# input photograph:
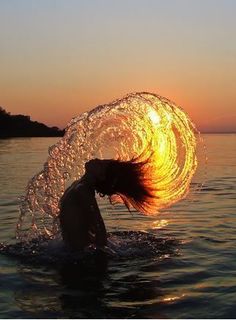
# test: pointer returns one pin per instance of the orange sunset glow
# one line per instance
(59, 60)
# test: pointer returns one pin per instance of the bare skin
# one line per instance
(80, 218)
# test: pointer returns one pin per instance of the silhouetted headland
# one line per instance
(21, 126)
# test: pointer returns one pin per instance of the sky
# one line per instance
(59, 58)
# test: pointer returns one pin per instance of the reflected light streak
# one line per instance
(159, 224)
(173, 298)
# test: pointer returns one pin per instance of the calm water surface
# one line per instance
(195, 277)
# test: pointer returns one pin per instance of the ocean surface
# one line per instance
(180, 263)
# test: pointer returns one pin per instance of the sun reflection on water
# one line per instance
(159, 224)
(173, 298)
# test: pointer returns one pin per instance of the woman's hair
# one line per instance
(130, 182)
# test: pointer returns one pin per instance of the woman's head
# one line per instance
(126, 181)
(97, 168)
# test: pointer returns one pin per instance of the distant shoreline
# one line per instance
(205, 132)
(62, 134)
(21, 126)
(20, 137)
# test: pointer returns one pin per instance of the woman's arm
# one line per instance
(98, 225)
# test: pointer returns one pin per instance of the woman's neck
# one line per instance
(89, 180)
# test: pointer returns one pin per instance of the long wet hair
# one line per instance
(130, 182)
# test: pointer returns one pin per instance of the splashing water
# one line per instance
(122, 129)
(121, 244)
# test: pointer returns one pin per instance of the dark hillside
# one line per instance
(22, 126)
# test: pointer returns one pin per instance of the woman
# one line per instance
(80, 219)
(123, 181)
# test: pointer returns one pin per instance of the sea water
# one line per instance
(178, 264)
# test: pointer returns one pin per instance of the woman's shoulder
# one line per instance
(80, 187)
